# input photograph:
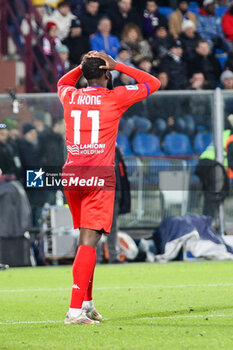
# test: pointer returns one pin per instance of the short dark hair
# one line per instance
(64, 3)
(91, 70)
(58, 121)
(145, 58)
(202, 41)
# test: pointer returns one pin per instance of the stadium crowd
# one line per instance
(191, 45)
(187, 46)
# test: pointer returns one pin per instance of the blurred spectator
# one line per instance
(161, 42)
(63, 52)
(146, 65)
(77, 7)
(226, 79)
(227, 24)
(141, 3)
(184, 125)
(209, 26)
(52, 3)
(62, 16)
(28, 147)
(229, 62)
(177, 17)
(123, 57)
(121, 14)
(13, 141)
(198, 82)
(132, 40)
(90, 17)
(153, 19)
(40, 9)
(189, 39)
(76, 43)
(204, 61)
(51, 28)
(123, 79)
(52, 145)
(163, 78)
(175, 66)
(12, 127)
(7, 164)
(38, 122)
(103, 40)
(201, 108)
(48, 3)
(31, 159)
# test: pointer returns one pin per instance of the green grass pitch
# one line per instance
(145, 306)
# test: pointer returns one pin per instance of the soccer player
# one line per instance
(92, 116)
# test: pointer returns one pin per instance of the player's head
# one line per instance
(92, 72)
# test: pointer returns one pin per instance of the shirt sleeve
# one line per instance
(66, 85)
(63, 91)
(126, 96)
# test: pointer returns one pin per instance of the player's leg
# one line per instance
(88, 238)
(99, 206)
(105, 201)
(83, 270)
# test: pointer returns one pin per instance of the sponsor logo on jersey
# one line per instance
(131, 87)
(94, 148)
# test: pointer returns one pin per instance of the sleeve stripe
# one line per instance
(148, 90)
(64, 92)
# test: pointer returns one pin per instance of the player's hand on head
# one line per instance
(109, 61)
(87, 55)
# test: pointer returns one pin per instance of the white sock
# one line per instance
(75, 312)
(89, 304)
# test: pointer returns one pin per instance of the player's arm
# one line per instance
(140, 76)
(68, 82)
(125, 96)
(70, 79)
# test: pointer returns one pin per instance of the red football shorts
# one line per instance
(91, 209)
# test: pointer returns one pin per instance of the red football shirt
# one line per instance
(92, 115)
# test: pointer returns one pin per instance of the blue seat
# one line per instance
(147, 145)
(202, 141)
(193, 3)
(194, 9)
(222, 60)
(177, 144)
(123, 143)
(166, 11)
(220, 11)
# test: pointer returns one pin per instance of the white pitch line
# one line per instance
(156, 286)
(110, 319)
(29, 322)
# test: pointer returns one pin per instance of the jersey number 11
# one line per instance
(94, 115)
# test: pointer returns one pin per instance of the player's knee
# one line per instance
(89, 237)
